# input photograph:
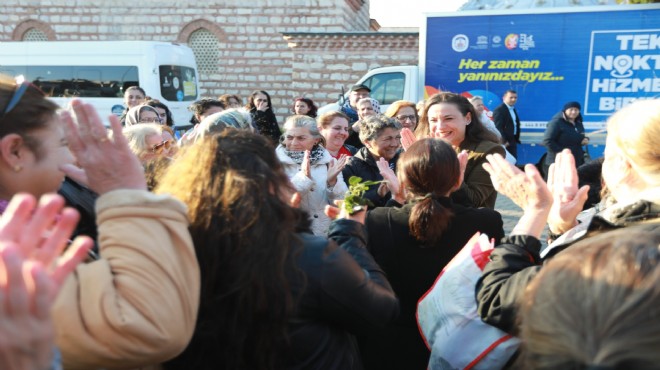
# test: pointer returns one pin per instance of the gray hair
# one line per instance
(136, 136)
(307, 122)
(236, 118)
(373, 126)
(475, 98)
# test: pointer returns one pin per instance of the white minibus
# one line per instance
(98, 72)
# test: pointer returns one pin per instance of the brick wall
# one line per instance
(259, 47)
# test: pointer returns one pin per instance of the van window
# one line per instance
(177, 83)
(386, 87)
(78, 81)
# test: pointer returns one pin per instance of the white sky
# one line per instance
(408, 13)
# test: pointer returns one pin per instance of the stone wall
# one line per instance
(286, 47)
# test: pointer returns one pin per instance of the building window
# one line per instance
(34, 34)
(205, 46)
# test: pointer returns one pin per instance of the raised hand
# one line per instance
(262, 106)
(568, 199)
(107, 163)
(335, 168)
(306, 166)
(407, 138)
(391, 181)
(526, 189)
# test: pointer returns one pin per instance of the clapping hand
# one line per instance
(568, 199)
(334, 169)
(391, 182)
(306, 166)
(407, 138)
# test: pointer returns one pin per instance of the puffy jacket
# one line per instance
(515, 262)
(561, 134)
(315, 193)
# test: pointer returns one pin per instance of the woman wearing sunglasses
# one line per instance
(148, 141)
(136, 304)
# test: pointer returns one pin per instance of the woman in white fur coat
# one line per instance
(312, 170)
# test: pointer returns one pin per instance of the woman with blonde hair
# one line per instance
(631, 171)
(405, 112)
(147, 142)
(315, 175)
(596, 307)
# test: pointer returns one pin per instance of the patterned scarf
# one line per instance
(297, 156)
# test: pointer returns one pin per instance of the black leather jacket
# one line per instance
(344, 292)
(363, 165)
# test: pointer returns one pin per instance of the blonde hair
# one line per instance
(635, 130)
(393, 109)
(137, 137)
(597, 303)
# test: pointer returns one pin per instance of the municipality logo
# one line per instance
(460, 43)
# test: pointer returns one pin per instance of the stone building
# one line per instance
(289, 48)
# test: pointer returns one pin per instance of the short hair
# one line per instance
(596, 304)
(475, 98)
(373, 126)
(136, 135)
(217, 122)
(307, 122)
(511, 92)
(326, 118)
(199, 107)
(394, 108)
(138, 88)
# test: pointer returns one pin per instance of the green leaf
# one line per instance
(354, 180)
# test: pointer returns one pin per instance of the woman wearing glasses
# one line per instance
(136, 304)
(147, 141)
(405, 112)
(142, 114)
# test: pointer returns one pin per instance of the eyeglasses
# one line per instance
(158, 148)
(411, 117)
(16, 97)
(150, 120)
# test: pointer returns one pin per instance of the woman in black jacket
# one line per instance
(415, 242)
(263, 117)
(382, 139)
(273, 295)
(565, 131)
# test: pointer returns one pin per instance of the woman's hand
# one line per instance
(568, 199)
(32, 237)
(262, 106)
(526, 189)
(335, 168)
(107, 163)
(391, 182)
(462, 163)
(585, 141)
(338, 212)
(306, 166)
(407, 138)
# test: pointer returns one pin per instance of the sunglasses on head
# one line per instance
(21, 87)
(158, 148)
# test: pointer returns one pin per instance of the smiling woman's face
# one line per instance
(446, 122)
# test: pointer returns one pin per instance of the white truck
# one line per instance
(603, 57)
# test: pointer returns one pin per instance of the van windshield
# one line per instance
(78, 81)
(178, 83)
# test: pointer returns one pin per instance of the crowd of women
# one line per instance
(230, 253)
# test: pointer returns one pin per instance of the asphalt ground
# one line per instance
(511, 213)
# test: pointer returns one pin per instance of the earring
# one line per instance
(468, 122)
(18, 168)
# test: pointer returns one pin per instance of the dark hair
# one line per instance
(250, 104)
(224, 98)
(245, 241)
(511, 92)
(32, 112)
(157, 104)
(475, 132)
(310, 103)
(201, 106)
(136, 87)
(428, 170)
